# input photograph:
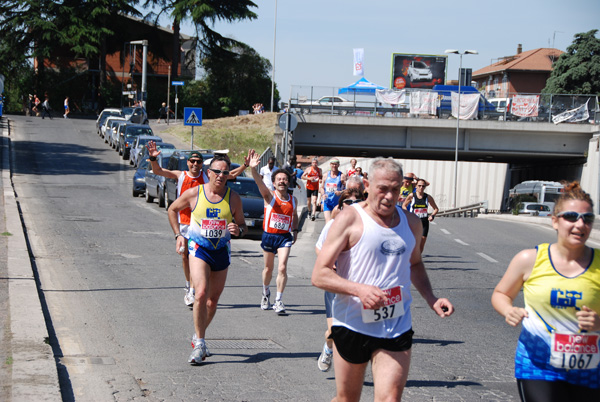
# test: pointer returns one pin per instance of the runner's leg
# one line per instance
(267, 273)
(390, 372)
(349, 378)
(216, 284)
(283, 254)
(200, 274)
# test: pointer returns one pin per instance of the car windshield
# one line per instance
(139, 131)
(164, 145)
(420, 64)
(245, 188)
(127, 110)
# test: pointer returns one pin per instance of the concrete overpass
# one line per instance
(486, 140)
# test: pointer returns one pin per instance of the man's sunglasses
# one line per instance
(194, 161)
(350, 202)
(218, 172)
(572, 216)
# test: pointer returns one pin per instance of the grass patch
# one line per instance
(238, 134)
(6, 234)
(9, 361)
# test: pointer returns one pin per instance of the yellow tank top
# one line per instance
(552, 299)
(209, 220)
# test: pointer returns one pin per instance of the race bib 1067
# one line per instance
(393, 308)
(574, 351)
(213, 228)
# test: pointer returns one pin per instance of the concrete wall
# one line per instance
(590, 174)
(477, 181)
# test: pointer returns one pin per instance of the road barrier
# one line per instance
(466, 211)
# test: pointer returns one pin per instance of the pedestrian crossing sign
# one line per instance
(192, 116)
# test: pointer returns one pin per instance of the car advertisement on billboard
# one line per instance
(418, 70)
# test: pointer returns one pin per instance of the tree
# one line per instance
(203, 13)
(235, 79)
(578, 70)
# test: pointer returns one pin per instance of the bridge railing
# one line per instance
(313, 100)
(467, 211)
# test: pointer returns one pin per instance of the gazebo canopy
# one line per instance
(362, 86)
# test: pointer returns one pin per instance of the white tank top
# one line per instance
(380, 258)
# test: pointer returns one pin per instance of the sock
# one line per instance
(187, 284)
(266, 290)
(279, 294)
(326, 349)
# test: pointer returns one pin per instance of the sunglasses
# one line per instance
(350, 202)
(194, 161)
(571, 216)
(218, 172)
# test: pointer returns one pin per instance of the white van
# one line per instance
(500, 104)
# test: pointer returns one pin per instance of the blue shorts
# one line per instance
(329, 304)
(271, 242)
(217, 259)
(330, 202)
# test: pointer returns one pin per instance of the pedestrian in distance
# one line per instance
(163, 112)
(313, 175)
(373, 246)
(216, 215)
(46, 108)
(267, 171)
(418, 203)
(67, 109)
(557, 356)
(280, 227)
(353, 194)
(331, 188)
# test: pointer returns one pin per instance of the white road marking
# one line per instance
(444, 231)
(459, 241)
(486, 257)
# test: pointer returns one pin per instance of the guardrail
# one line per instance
(467, 211)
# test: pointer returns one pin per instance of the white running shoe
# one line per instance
(265, 302)
(199, 353)
(188, 299)
(324, 362)
(195, 339)
(279, 307)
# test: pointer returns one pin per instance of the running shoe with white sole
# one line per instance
(324, 361)
(188, 299)
(265, 302)
(279, 307)
(195, 339)
(199, 353)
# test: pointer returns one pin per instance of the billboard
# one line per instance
(418, 70)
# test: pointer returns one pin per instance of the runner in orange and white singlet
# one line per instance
(280, 231)
(313, 175)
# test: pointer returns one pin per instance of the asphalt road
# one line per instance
(113, 285)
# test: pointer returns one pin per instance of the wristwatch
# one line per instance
(241, 229)
(152, 158)
(177, 235)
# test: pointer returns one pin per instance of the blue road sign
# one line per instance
(177, 83)
(192, 116)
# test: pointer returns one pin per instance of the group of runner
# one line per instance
(368, 259)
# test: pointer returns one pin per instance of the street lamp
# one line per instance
(454, 51)
(274, 42)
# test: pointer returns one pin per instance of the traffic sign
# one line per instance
(283, 123)
(192, 116)
(177, 83)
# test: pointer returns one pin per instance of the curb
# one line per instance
(34, 371)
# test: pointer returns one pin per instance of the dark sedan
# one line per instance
(139, 178)
(252, 202)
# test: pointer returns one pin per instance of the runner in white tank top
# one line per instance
(371, 310)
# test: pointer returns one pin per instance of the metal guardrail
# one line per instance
(467, 211)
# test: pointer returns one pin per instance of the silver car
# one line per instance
(140, 141)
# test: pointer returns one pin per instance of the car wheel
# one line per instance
(135, 193)
(161, 198)
(344, 112)
(149, 198)
(125, 155)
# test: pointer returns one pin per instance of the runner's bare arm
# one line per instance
(434, 206)
(343, 234)
(407, 202)
(510, 285)
(418, 275)
(156, 168)
(264, 191)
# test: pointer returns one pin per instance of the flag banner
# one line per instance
(570, 116)
(468, 105)
(423, 102)
(359, 56)
(525, 105)
(391, 97)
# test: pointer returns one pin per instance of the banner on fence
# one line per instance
(423, 102)
(391, 97)
(468, 105)
(525, 105)
(570, 116)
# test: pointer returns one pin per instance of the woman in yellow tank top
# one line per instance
(558, 356)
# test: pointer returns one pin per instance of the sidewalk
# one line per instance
(32, 373)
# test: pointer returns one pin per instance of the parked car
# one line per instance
(106, 113)
(136, 114)
(252, 202)
(130, 133)
(113, 132)
(155, 184)
(139, 179)
(139, 142)
(419, 71)
(536, 209)
(107, 126)
(143, 153)
(501, 104)
(325, 104)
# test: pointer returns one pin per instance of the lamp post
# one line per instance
(454, 51)
(274, 42)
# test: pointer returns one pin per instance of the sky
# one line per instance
(315, 38)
